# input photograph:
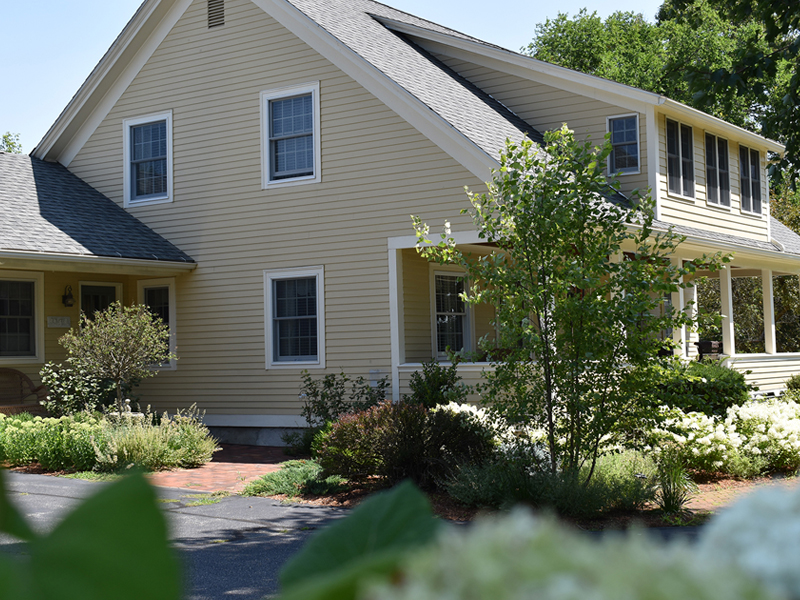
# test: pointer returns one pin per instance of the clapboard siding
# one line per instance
(769, 373)
(547, 108)
(376, 171)
(697, 212)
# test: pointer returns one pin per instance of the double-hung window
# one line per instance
(750, 179)
(290, 122)
(718, 185)
(450, 313)
(159, 296)
(680, 162)
(148, 159)
(21, 316)
(295, 321)
(624, 132)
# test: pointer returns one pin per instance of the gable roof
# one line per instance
(48, 211)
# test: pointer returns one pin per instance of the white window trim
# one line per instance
(127, 184)
(638, 146)
(671, 194)
(114, 284)
(717, 205)
(469, 334)
(168, 282)
(266, 168)
(38, 315)
(271, 275)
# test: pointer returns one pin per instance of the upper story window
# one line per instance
(450, 313)
(718, 184)
(295, 326)
(750, 179)
(148, 159)
(624, 144)
(290, 124)
(680, 161)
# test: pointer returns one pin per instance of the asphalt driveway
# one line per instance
(231, 549)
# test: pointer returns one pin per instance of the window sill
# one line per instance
(719, 207)
(624, 173)
(268, 185)
(20, 360)
(681, 198)
(747, 213)
(148, 201)
(296, 364)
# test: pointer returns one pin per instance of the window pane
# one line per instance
(292, 116)
(624, 153)
(157, 300)
(149, 141)
(687, 161)
(149, 159)
(17, 328)
(450, 312)
(724, 175)
(294, 156)
(97, 298)
(294, 320)
(673, 159)
(744, 177)
(712, 174)
(755, 178)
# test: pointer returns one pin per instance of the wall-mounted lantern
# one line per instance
(68, 299)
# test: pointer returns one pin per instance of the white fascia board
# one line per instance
(165, 265)
(410, 241)
(409, 107)
(105, 100)
(513, 63)
(720, 126)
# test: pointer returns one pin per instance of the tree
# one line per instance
(10, 143)
(121, 343)
(565, 295)
(767, 66)
(628, 49)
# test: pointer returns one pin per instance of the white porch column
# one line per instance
(690, 298)
(770, 342)
(396, 317)
(726, 305)
(677, 298)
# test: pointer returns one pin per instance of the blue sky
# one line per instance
(51, 46)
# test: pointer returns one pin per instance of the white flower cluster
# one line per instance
(764, 430)
(760, 535)
(519, 556)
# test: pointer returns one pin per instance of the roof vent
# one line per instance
(216, 13)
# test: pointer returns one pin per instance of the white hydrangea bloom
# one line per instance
(521, 557)
(760, 534)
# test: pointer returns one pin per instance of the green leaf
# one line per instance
(14, 577)
(11, 522)
(369, 543)
(114, 545)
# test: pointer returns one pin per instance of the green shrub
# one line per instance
(295, 478)
(403, 441)
(793, 383)
(621, 482)
(436, 385)
(71, 390)
(327, 399)
(706, 387)
(83, 441)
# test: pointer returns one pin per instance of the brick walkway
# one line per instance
(229, 469)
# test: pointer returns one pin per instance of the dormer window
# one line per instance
(680, 161)
(750, 179)
(718, 184)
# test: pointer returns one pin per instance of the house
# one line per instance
(248, 168)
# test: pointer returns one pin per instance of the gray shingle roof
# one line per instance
(47, 209)
(471, 111)
(785, 236)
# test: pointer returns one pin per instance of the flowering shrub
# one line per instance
(760, 535)
(520, 556)
(758, 435)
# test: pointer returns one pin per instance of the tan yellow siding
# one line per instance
(546, 108)
(417, 305)
(376, 171)
(697, 212)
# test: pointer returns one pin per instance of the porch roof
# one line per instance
(46, 210)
